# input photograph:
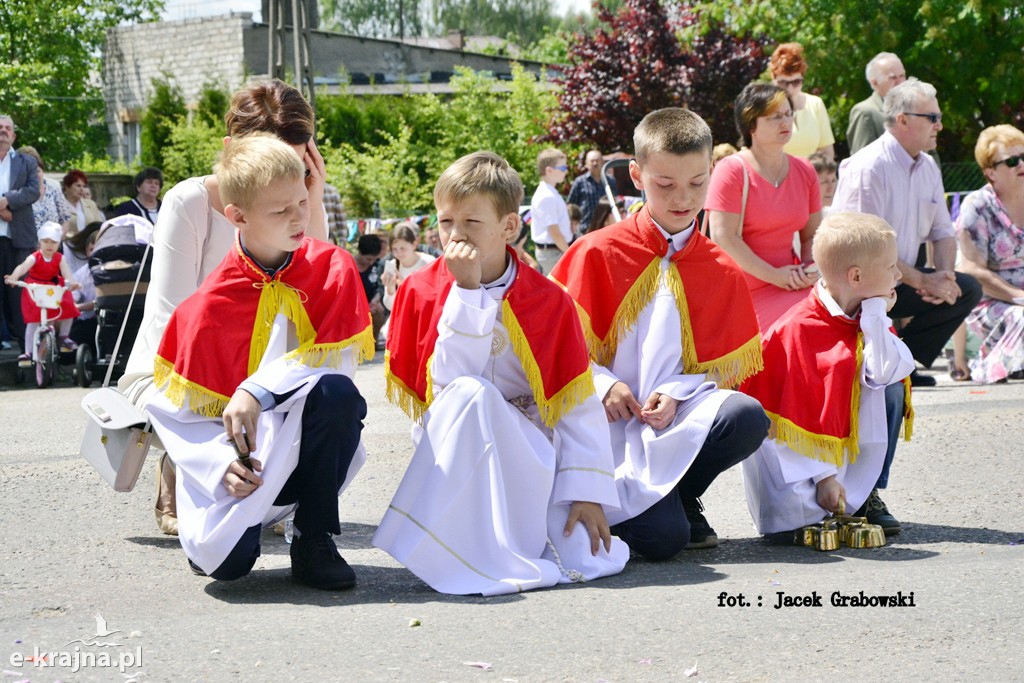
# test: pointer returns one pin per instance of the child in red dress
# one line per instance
(46, 266)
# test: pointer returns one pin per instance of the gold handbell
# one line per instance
(866, 536)
(808, 536)
(828, 538)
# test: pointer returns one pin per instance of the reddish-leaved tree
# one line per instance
(633, 64)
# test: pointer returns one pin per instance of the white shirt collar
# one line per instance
(496, 289)
(830, 304)
(677, 241)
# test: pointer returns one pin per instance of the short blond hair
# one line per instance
(249, 164)
(549, 158)
(991, 139)
(483, 173)
(672, 130)
(849, 239)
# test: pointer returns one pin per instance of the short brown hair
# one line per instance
(673, 130)
(849, 239)
(30, 151)
(251, 163)
(271, 107)
(483, 173)
(822, 164)
(753, 102)
(405, 232)
(72, 177)
(549, 158)
(788, 60)
(991, 139)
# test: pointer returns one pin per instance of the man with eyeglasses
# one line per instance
(895, 178)
(550, 226)
(867, 120)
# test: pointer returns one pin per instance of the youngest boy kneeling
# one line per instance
(827, 363)
(257, 407)
(512, 472)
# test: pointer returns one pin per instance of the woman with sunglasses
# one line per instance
(990, 231)
(192, 236)
(812, 130)
(760, 198)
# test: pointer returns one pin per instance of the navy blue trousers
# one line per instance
(332, 420)
(661, 531)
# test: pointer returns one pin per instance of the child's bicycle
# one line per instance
(45, 346)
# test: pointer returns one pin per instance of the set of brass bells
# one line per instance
(839, 530)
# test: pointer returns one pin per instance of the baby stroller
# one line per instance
(115, 264)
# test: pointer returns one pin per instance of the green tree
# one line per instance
(968, 49)
(192, 149)
(373, 18)
(165, 110)
(527, 20)
(48, 51)
(213, 104)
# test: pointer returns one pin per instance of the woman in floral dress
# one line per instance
(991, 237)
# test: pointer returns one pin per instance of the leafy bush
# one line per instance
(166, 110)
(192, 150)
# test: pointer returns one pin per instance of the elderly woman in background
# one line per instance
(51, 206)
(782, 199)
(990, 231)
(192, 236)
(813, 130)
(83, 210)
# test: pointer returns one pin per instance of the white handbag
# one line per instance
(117, 434)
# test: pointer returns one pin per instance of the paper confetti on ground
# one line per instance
(480, 665)
(691, 672)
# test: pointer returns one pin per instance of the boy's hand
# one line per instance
(591, 515)
(463, 260)
(74, 286)
(240, 481)
(830, 492)
(240, 416)
(9, 280)
(659, 411)
(621, 404)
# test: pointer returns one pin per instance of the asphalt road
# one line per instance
(71, 549)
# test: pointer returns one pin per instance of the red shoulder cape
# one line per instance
(613, 274)
(217, 337)
(810, 387)
(534, 311)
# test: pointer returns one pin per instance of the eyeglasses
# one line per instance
(1011, 162)
(932, 118)
(563, 167)
(786, 82)
(779, 118)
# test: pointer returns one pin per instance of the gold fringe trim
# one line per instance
(277, 297)
(568, 397)
(178, 390)
(833, 450)
(399, 393)
(728, 370)
(318, 355)
(828, 449)
(639, 295)
(908, 410)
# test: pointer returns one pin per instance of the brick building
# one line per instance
(229, 50)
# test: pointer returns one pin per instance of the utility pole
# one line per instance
(301, 39)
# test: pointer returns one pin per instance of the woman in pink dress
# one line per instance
(783, 199)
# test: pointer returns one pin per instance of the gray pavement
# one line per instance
(71, 549)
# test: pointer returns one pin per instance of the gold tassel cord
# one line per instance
(399, 393)
(908, 410)
(277, 297)
(568, 397)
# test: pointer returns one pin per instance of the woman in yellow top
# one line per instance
(812, 131)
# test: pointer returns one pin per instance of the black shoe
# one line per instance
(919, 380)
(317, 564)
(782, 538)
(877, 513)
(701, 533)
(195, 568)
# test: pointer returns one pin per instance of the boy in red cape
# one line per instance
(512, 475)
(257, 408)
(668, 320)
(827, 363)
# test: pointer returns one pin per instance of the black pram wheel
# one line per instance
(84, 359)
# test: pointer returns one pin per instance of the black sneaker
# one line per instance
(701, 533)
(195, 568)
(317, 564)
(919, 380)
(877, 513)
